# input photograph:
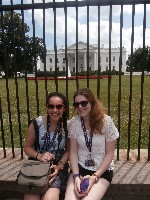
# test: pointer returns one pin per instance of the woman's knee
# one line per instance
(32, 197)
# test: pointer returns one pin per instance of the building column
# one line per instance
(75, 61)
(95, 66)
(69, 61)
(85, 62)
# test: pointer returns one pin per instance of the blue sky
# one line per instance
(93, 25)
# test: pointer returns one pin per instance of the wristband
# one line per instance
(36, 156)
(96, 177)
(76, 175)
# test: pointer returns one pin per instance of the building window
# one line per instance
(73, 60)
(106, 59)
(63, 69)
(50, 69)
(64, 60)
(50, 60)
(113, 68)
(58, 69)
(57, 60)
(113, 58)
(106, 68)
(73, 69)
(81, 67)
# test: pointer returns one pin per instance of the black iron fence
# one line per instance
(22, 43)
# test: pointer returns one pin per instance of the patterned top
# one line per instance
(110, 133)
(42, 136)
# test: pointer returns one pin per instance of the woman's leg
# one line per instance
(70, 193)
(32, 197)
(98, 190)
(52, 193)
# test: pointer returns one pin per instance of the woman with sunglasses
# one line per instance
(92, 136)
(53, 145)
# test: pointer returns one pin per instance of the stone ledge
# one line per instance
(131, 178)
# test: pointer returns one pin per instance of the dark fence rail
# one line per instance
(16, 104)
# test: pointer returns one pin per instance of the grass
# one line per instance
(133, 128)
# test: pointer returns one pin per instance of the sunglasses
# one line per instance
(82, 103)
(58, 107)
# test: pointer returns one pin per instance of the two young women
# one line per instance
(92, 137)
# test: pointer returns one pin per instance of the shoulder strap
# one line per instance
(36, 128)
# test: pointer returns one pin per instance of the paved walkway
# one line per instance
(131, 179)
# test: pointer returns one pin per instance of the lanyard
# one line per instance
(50, 143)
(88, 142)
(58, 131)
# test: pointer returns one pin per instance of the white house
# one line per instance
(82, 58)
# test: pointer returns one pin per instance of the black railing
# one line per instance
(7, 58)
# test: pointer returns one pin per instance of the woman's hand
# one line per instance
(77, 182)
(54, 172)
(46, 156)
(91, 183)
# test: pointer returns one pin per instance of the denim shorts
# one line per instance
(61, 179)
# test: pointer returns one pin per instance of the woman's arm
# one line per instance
(65, 157)
(30, 142)
(110, 147)
(73, 156)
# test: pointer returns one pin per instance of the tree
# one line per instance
(137, 60)
(16, 46)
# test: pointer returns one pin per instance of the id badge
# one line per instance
(90, 161)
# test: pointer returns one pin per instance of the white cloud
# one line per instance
(93, 25)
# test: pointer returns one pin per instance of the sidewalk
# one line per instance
(131, 179)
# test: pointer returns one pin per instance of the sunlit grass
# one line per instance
(10, 98)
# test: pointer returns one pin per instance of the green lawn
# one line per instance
(114, 90)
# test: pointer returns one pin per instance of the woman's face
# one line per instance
(82, 106)
(55, 108)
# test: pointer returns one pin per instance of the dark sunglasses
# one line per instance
(82, 103)
(51, 106)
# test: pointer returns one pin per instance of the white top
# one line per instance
(110, 133)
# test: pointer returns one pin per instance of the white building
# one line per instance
(82, 58)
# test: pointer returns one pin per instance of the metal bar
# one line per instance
(35, 64)
(120, 70)
(131, 70)
(24, 58)
(87, 59)
(142, 83)
(109, 71)
(99, 67)
(7, 64)
(149, 143)
(72, 4)
(1, 116)
(55, 48)
(76, 58)
(16, 82)
(2, 130)
(45, 74)
(66, 57)
(27, 97)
